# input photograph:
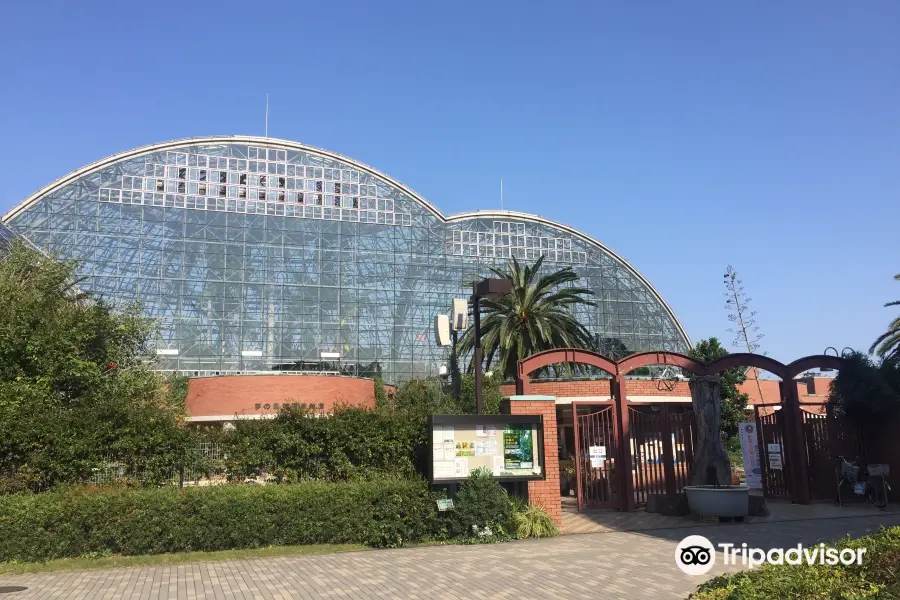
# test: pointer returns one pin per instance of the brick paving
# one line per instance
(606, 521)
(632, 565)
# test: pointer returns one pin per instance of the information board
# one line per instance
(507, 445)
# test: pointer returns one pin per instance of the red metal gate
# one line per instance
(818, 452)
(684, 431)
(662, 446)
(770, 429)
(828, 437)
(647, 451)
(596, 480)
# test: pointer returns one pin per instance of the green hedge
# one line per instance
(877, 577)
(74, 522)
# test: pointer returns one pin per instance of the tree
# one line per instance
(867, 392)
(491, 393)
(75, 380)
(888, 343)
(733, 401)
(538, 315)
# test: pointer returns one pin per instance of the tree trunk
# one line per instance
(711, 465)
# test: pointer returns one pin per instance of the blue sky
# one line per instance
(686, 136)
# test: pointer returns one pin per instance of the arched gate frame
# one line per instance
(795, 450)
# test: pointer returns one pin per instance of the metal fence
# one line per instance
(198, 467)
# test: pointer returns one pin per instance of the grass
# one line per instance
(153, 560)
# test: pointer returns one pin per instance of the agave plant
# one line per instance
(888, 343)
(538, 315)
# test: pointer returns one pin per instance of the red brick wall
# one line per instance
(544, 492)
(239, 394)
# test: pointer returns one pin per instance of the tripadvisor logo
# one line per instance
(696, 555)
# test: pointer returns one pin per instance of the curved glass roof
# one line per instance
(258, 254)
(6, 235)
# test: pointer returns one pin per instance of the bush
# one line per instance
(351, 444)
(875, 578)
(482, 509)
(532, 520)
(73, 522)
(865, 391)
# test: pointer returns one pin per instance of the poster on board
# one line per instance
(749, 437)
(518, 449)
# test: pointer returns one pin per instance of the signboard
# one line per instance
(507, 445)
(444, 504)
(598, 455)
(774, 452)
(750, 450)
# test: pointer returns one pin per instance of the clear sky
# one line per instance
(686, 136)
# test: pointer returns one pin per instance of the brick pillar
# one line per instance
(544, 491)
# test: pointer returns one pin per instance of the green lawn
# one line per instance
(110, 562)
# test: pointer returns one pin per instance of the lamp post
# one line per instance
(486, 288)
(446, 333)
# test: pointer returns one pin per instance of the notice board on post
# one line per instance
(510, 446)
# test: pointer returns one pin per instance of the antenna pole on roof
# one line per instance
(267, 114)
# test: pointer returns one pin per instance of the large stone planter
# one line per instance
(712, 501)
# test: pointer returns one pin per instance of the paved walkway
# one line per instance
(606, 521)
(601, 565)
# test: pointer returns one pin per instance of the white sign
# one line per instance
(444, 469)
(330, 354)
(598, 455)
(774, 452)
(255, 353)
(750, 451)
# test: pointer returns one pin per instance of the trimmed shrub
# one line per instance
(877, 577)
(482, 509)
(351, 444)
(73, 522)
(532, 520)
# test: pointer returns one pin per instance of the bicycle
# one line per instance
(853, 482)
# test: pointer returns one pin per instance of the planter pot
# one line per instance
(711, 501)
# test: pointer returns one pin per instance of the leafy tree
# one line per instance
(538, 315)
(381, 397)
(491, 393)
(75, 381)
(865, 391)
(733, 401)
(888, 343)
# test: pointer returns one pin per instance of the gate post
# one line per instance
(543, 491)
(667, 450)
(763, 455)
(795, 443)
(623, 429)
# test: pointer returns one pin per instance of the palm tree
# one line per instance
(538, 315)
(888, 343)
